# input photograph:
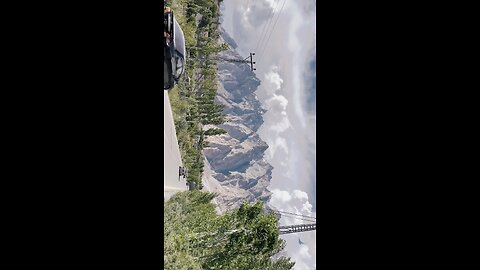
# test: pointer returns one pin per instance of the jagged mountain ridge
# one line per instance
(236, 160)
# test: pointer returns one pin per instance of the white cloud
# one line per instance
(282, 125)
(280, 196)
(276, 106)
(307, 207)
(274, 77)
(288, 126)
(300, 194)
(279, 143)
(298, 102)
(272, 3)
(276, 103)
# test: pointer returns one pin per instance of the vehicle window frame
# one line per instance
(181, 60)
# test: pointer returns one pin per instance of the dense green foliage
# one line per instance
(193, 98)
(195, 237)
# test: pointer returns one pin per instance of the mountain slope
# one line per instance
(235, 160)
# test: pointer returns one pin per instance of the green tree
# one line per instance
(195, 235)
(214, 131)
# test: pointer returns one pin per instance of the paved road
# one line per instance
(171, 153)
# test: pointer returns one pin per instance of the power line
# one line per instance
(273, 29)
(309, 220)
(280, 13)
(268, 24)
(270, 17)
(247, 60)
(303, 216)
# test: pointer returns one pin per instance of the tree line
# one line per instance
(193, 100)
(195, 237)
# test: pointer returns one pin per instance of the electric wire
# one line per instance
(309, 220)
(314, 218)
(273, 29)
(266, 26)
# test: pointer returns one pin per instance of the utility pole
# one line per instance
(247, 60)
(251, 62)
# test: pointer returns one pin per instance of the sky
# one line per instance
(285, 53)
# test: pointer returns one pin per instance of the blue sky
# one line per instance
(286, 66)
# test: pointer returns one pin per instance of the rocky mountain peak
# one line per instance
(235, 160)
